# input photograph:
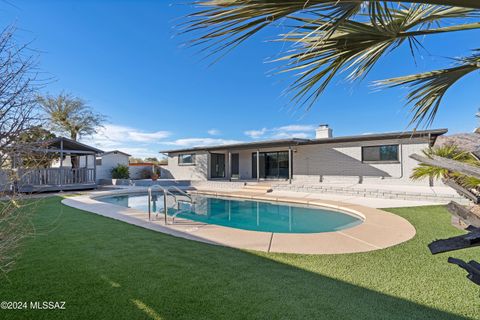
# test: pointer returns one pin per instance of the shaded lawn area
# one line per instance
(105, 269)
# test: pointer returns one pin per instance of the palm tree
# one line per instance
(449, 151)
(70, 115)
(343, 37)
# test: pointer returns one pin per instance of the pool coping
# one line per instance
(379, 229)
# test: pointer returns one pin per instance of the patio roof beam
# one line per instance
(290, 164)
(61, 150)
(229, 166)
(61, 165)
(258, 165)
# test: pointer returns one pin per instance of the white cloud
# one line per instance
(116, 135)
(288, 135)
(136, 142)
(213, 132)
(283, 132)
(255, 134)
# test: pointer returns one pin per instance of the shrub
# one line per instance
(146, 173)
(120, 172)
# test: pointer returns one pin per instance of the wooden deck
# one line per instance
(52, 188)
(56, 179)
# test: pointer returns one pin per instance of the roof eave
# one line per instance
(274, 143)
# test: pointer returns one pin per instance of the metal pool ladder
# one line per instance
(166, 192)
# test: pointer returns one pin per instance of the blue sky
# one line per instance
(125, 59)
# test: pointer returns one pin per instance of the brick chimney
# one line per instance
(323, 132)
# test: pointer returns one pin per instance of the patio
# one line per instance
(61, 176)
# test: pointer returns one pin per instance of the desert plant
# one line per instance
(120, 172)
(449, 151)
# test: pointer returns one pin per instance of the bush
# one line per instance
(120, 172)
(146, 173)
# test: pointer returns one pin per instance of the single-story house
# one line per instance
(368, 158)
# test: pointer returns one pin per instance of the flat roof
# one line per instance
(433, 134)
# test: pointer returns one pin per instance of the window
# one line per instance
(186, 159)
(98, 161)
(385, 153)
(273, 165)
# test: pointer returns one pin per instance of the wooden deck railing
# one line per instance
(56, 176)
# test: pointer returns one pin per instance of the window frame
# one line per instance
(193, 156)
(380, 146)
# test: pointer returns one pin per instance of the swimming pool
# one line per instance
(244, 214)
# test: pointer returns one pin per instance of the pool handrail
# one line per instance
(182, 192)
(166, 191)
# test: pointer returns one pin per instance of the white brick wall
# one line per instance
(198, 171)
(342, 162)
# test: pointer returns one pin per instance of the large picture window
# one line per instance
(186, 159)
(385, 153)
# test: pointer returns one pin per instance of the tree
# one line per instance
(70, 115)
(344, 37)
(460, 170)
(453, 152)
(19, 83)
(135, 160)
(34, 138)
(152, 160)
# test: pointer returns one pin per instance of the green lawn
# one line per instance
(105, 269)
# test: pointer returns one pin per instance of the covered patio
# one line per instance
(63, 172)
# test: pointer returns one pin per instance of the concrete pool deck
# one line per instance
(379, 229)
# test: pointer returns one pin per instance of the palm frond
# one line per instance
(331, 37)
(355, 46)
(449, 151)
(428, 89)
(226, 23)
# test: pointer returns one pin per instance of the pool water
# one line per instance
(244, 214)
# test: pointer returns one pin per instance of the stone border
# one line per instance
(379, 229)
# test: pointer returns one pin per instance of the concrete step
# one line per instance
(373, 193)
(258, 187)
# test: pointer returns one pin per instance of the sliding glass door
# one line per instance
(273, 165)
(217, 165)
(235, 165)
